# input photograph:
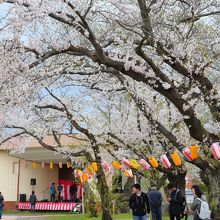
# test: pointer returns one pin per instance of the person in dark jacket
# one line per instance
(155, 200)
(72, 192)
(33, 200)
(60, 193)
(139, 203)
(175, 200)
(1, 204)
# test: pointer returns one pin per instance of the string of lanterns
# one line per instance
(191, 153)
(126, 166)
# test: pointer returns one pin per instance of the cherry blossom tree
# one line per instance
(168, 49)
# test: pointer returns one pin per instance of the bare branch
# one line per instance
(11, 137)
(197, 17)
(88, 9)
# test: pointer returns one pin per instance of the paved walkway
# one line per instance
(17, 217)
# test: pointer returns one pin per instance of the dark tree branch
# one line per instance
(197, 17)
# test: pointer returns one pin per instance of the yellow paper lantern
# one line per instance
(34, 165)
(176, 159)
(134, 164)
(94, 166)
(153, 162)
(68, 164)
(194, 151)
(51, 165)
(128, 173)
(116, 165)
(89, 170)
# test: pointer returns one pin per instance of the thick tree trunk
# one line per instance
(214, 192)
(104, 194)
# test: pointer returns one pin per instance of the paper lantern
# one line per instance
(123, 168)
(94, 166)
(42, 165)
(60, 165)
(186, 153)
(176, 159)
(215, 148)
(194, 151)
(116, 165)
(89, 170)
(165, 161)
(25, 163)
(68, 164)
(83, 178)
(105, 166)
(153, 162)
(51, 165)
(34, 165)
(144, 164)
(128, 173)
(88, 175)
(125, 162)
(134, 164)
(76, 173)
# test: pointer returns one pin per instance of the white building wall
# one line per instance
(12, 184)
(8, 176)
(44, 177)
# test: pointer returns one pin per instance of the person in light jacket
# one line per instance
(195, 207)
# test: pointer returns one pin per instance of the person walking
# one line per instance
(52, 192)
(72, 192)
(33, 200)
(139, 203)
(155, 200)
(1, 204)
(175, 201)
(196, 205)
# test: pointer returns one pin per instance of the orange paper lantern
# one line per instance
(176, 159)
(116, 165)
(153, 162)
(94, 166)
(83, 178)
(194, 151)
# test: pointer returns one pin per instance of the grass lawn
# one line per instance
(82, 217)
